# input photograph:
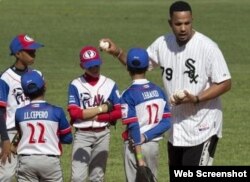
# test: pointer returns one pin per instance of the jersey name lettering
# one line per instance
(96, 101)
(36, 115)
(150, 94)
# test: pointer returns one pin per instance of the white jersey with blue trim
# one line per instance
(40, 125)
(193, 67)
(145, 103)
(13, 97)
(84, 95)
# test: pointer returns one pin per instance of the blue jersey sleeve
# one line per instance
(73, 98)
(128, 109)
(4, 90)
(157, 131)
(134, 132)
(66, 139)
(18, 117)
(114, 96)
(65, 133)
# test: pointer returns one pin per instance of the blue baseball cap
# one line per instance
(89, 57)
(23, 42)
(137, 58)
(32, 81)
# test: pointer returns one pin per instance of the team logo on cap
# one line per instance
(28, 39)
(29, 81)
(89, 54)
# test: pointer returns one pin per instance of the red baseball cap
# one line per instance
(23, 42)
(89, 57)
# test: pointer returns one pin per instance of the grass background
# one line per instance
(65, 26)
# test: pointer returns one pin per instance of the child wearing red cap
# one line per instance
(23, 48)
(91, 117)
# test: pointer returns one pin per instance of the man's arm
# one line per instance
(215, 90)
(6, 152)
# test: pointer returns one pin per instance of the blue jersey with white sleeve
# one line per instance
(43, 128)
(144, 106)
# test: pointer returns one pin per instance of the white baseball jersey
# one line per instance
(14, 97)
(194, 66)
(84, 95)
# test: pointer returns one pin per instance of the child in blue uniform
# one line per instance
(146, 113)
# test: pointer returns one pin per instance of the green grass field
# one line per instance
(65, 26)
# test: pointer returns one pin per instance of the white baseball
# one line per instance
(104, 45)
(180, 94)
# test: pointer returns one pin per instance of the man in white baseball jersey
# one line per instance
(91, 117)
(146, 113)
(23, 48)
(192, 62)
(43, 127)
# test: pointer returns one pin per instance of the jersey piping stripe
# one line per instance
(129, 120)
(4, 104)
(65, 131)
(101, 85)
(13, 77)
(166, 115)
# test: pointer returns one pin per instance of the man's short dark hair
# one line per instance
(179, 6)
(35, 94)
(134, 71)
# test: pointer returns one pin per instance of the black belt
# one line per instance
(99, 129)
(11, 129)
(38, 155)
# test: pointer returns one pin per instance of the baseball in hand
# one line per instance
(180, 94)
(104, 45)
(172, 99)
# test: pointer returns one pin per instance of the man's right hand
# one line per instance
(113, 49)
